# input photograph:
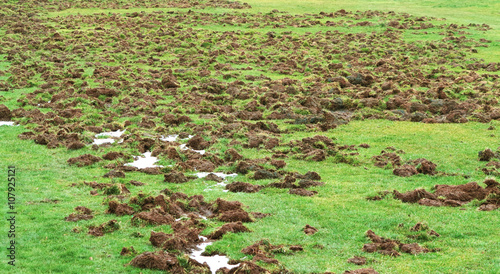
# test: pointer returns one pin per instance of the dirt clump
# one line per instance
(83, 210)
(118, 209)
(245, 267)
(309, 230)
(104, 228)
(425, 166)
(263, 174)
(361, 271)
(113, 155)
(232, 155)
(175, 177)
(452, 195)
(5, 113)
(243, 187)
(486, 155)
(357, 260)
(235, 216)
(405, 171)
(302, 192)
(127, 251)
(155, 216)
(84, 160)
(234, 227)
(157, 260)
(77, 217)
(198, 143)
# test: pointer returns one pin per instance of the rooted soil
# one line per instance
(102, 229)
(231, 227)
(243, 187)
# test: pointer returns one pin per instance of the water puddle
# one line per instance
(173, 138)
(113, 134)
(144, 162)
(214, 262)
(219, 174)
(6, 123)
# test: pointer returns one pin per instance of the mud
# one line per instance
(118, 209)
(157, 260)
(302, 192)
(155, 216)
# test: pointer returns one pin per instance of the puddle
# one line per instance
(219, 174)
(6, 123)
(214, 262)
(112, 134)
(173, 138)
(144, 162)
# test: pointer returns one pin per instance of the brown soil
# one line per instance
(235, 216)
(127, 251)
(102, 229)
(157, 260)
(453, 195)
(77, 217)
(84, 160)
(486, 155)
(389, 247)
(263, 174)
(405, 171)
(243, 187)
(245, 268)
(425, 167)
(119, 209)
(357, 260)
(309, 230)
(302, 192)
(230, 227)
(263, 258)
(113, 155)
(213, 177)
(83, 210)
(175, 177)
(5, 114)
(158, 238)
(156, 216)
(362, 271)
(198, 143)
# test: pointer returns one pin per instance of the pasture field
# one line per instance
(285, 136)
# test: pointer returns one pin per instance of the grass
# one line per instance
(469, 240)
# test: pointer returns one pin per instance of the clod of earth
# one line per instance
(309, 230)
(243, 187)
(104, 228)
(230, 227)
(357, 260)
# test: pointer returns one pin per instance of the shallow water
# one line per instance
(214, 262)
(144, 162)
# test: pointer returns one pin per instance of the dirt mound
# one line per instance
(127, 251)
(302, 192)
(156, 216)
(243, 187)
(405, 171)
(158, 260)
(102, 229)
(263, 174)
(232, 155)
(77, 217)
(213, 177)
(115, 207)
(175, 177)
(198, 143)
(223, 205)
(309, 230)
(230, 227)
(83, 210)
(113, 155)
(452, 195)
(486, 155)
(361, 271)
(245, 268)
(158, 238)
(5, 113)
(235, 216)
(357, 260)
(425, 166)
(84, 160)
(388, 247)
(304, 183)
